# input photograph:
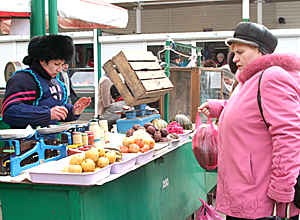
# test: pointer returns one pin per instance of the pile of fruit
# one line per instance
(93, 160)
(139, 141)
(158, 135)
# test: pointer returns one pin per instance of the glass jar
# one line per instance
(106, 137)
(90, 137)
(95, 128)
(76, 137)
(104, 125)
(85, 138)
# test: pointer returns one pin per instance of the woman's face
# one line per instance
(244, 55)
(220, 58)
(53, 66)
(228, 80)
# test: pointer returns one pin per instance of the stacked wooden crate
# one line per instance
(138, 77)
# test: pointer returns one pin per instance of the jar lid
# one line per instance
(89, 132)
(76, 132)
(84, 134)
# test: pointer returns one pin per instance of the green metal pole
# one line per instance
(167, 65)
(38, 18)
(99, 54)
(52, 12)
(199, 59)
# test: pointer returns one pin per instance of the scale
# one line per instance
(29, 149)
(10, 68)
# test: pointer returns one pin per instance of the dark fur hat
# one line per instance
(49, 47)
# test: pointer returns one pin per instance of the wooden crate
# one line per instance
(138, 77)
(188, 90)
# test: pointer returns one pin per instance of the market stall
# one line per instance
(165, 187)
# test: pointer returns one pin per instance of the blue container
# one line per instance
(130, 115)
(140, 107)
(124, 124)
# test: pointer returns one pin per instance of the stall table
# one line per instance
(168, 187)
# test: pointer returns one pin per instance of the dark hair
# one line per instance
(231, 64)
(114, 92)
(209, 63)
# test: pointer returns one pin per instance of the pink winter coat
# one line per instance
(258, 165)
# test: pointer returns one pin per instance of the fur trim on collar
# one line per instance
(287, 61)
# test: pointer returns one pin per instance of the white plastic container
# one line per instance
(144, 157)
(185, 136)
(174, 143)
(128, 161)
(51, 173)
(160, 148)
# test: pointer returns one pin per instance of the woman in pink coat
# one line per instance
(258, 165)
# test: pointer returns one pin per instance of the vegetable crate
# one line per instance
(138, 77)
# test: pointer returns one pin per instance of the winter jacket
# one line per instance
(110, 112)
(104, 97)
(29, 96)
(256, 164)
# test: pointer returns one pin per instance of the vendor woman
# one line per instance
(35, 96)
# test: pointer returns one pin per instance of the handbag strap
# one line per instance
(287, 210)
(259, 99)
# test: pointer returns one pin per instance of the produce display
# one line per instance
(93, 160)
(150, 131)
(183, 120)
(138, 141)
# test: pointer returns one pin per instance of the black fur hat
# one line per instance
(49, 47)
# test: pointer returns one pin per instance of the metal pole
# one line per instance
(52, 12)
(259, 11)
(38, 18)
(138, 18)
(246, 10)
(166, 97)
(99, 33)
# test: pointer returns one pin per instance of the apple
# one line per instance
(88, 165)
(101, 151)
(134, 148)
(92, 154)
(127, 141)
(97, 168)
(66, 169)
(111, 156)
(77, 159)
(75, 169)
(103, 162)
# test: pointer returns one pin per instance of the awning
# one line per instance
(75, 14)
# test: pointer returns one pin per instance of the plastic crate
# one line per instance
(140, 107)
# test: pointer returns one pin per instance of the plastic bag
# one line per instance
(205, 144)
(207, 212)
